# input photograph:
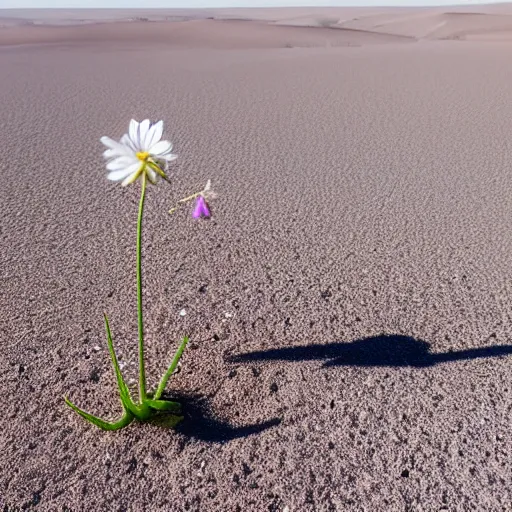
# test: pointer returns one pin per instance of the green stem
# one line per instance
(142, 373)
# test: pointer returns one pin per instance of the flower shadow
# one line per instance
(200, 423)
(390, 350)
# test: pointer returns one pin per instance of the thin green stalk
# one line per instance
(142, 373)
(171, 369)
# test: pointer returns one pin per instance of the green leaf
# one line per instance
(125, 420)
(171, 369)
(124, 391)
(164, 405)
(157, 169)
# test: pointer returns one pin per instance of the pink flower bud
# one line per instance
(201, 208)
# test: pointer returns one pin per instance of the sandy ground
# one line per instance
(349, 302)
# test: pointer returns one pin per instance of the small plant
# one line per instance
(141, 154)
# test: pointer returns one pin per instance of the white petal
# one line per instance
(143, 132)
(125, 139)
(169, 157)
(154, 134)
(123, 173)
(160, 148)
(112, 153)
(121, 162)
(110, 143)
(118, 175)
(151, 175)
(168, 152)
(119, 147)
(134, 134)
(133, 177)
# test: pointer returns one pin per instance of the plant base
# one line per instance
(150, 408)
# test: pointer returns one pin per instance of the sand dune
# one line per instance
(435, 24)
(473, 26)
(257, 28)
(228, 34)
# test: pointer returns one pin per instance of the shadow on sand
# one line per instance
(386, 350)
(200, 422)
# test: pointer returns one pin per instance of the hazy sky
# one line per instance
(128, 4)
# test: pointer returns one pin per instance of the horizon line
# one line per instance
(484, 2)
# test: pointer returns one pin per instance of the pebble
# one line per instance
(183, 312)
(201, 470)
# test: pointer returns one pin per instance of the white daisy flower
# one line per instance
(139, 152)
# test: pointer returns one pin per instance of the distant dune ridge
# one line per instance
(258, 27)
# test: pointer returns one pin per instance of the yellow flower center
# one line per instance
(142, 156)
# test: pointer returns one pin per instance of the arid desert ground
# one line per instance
(349, 302)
